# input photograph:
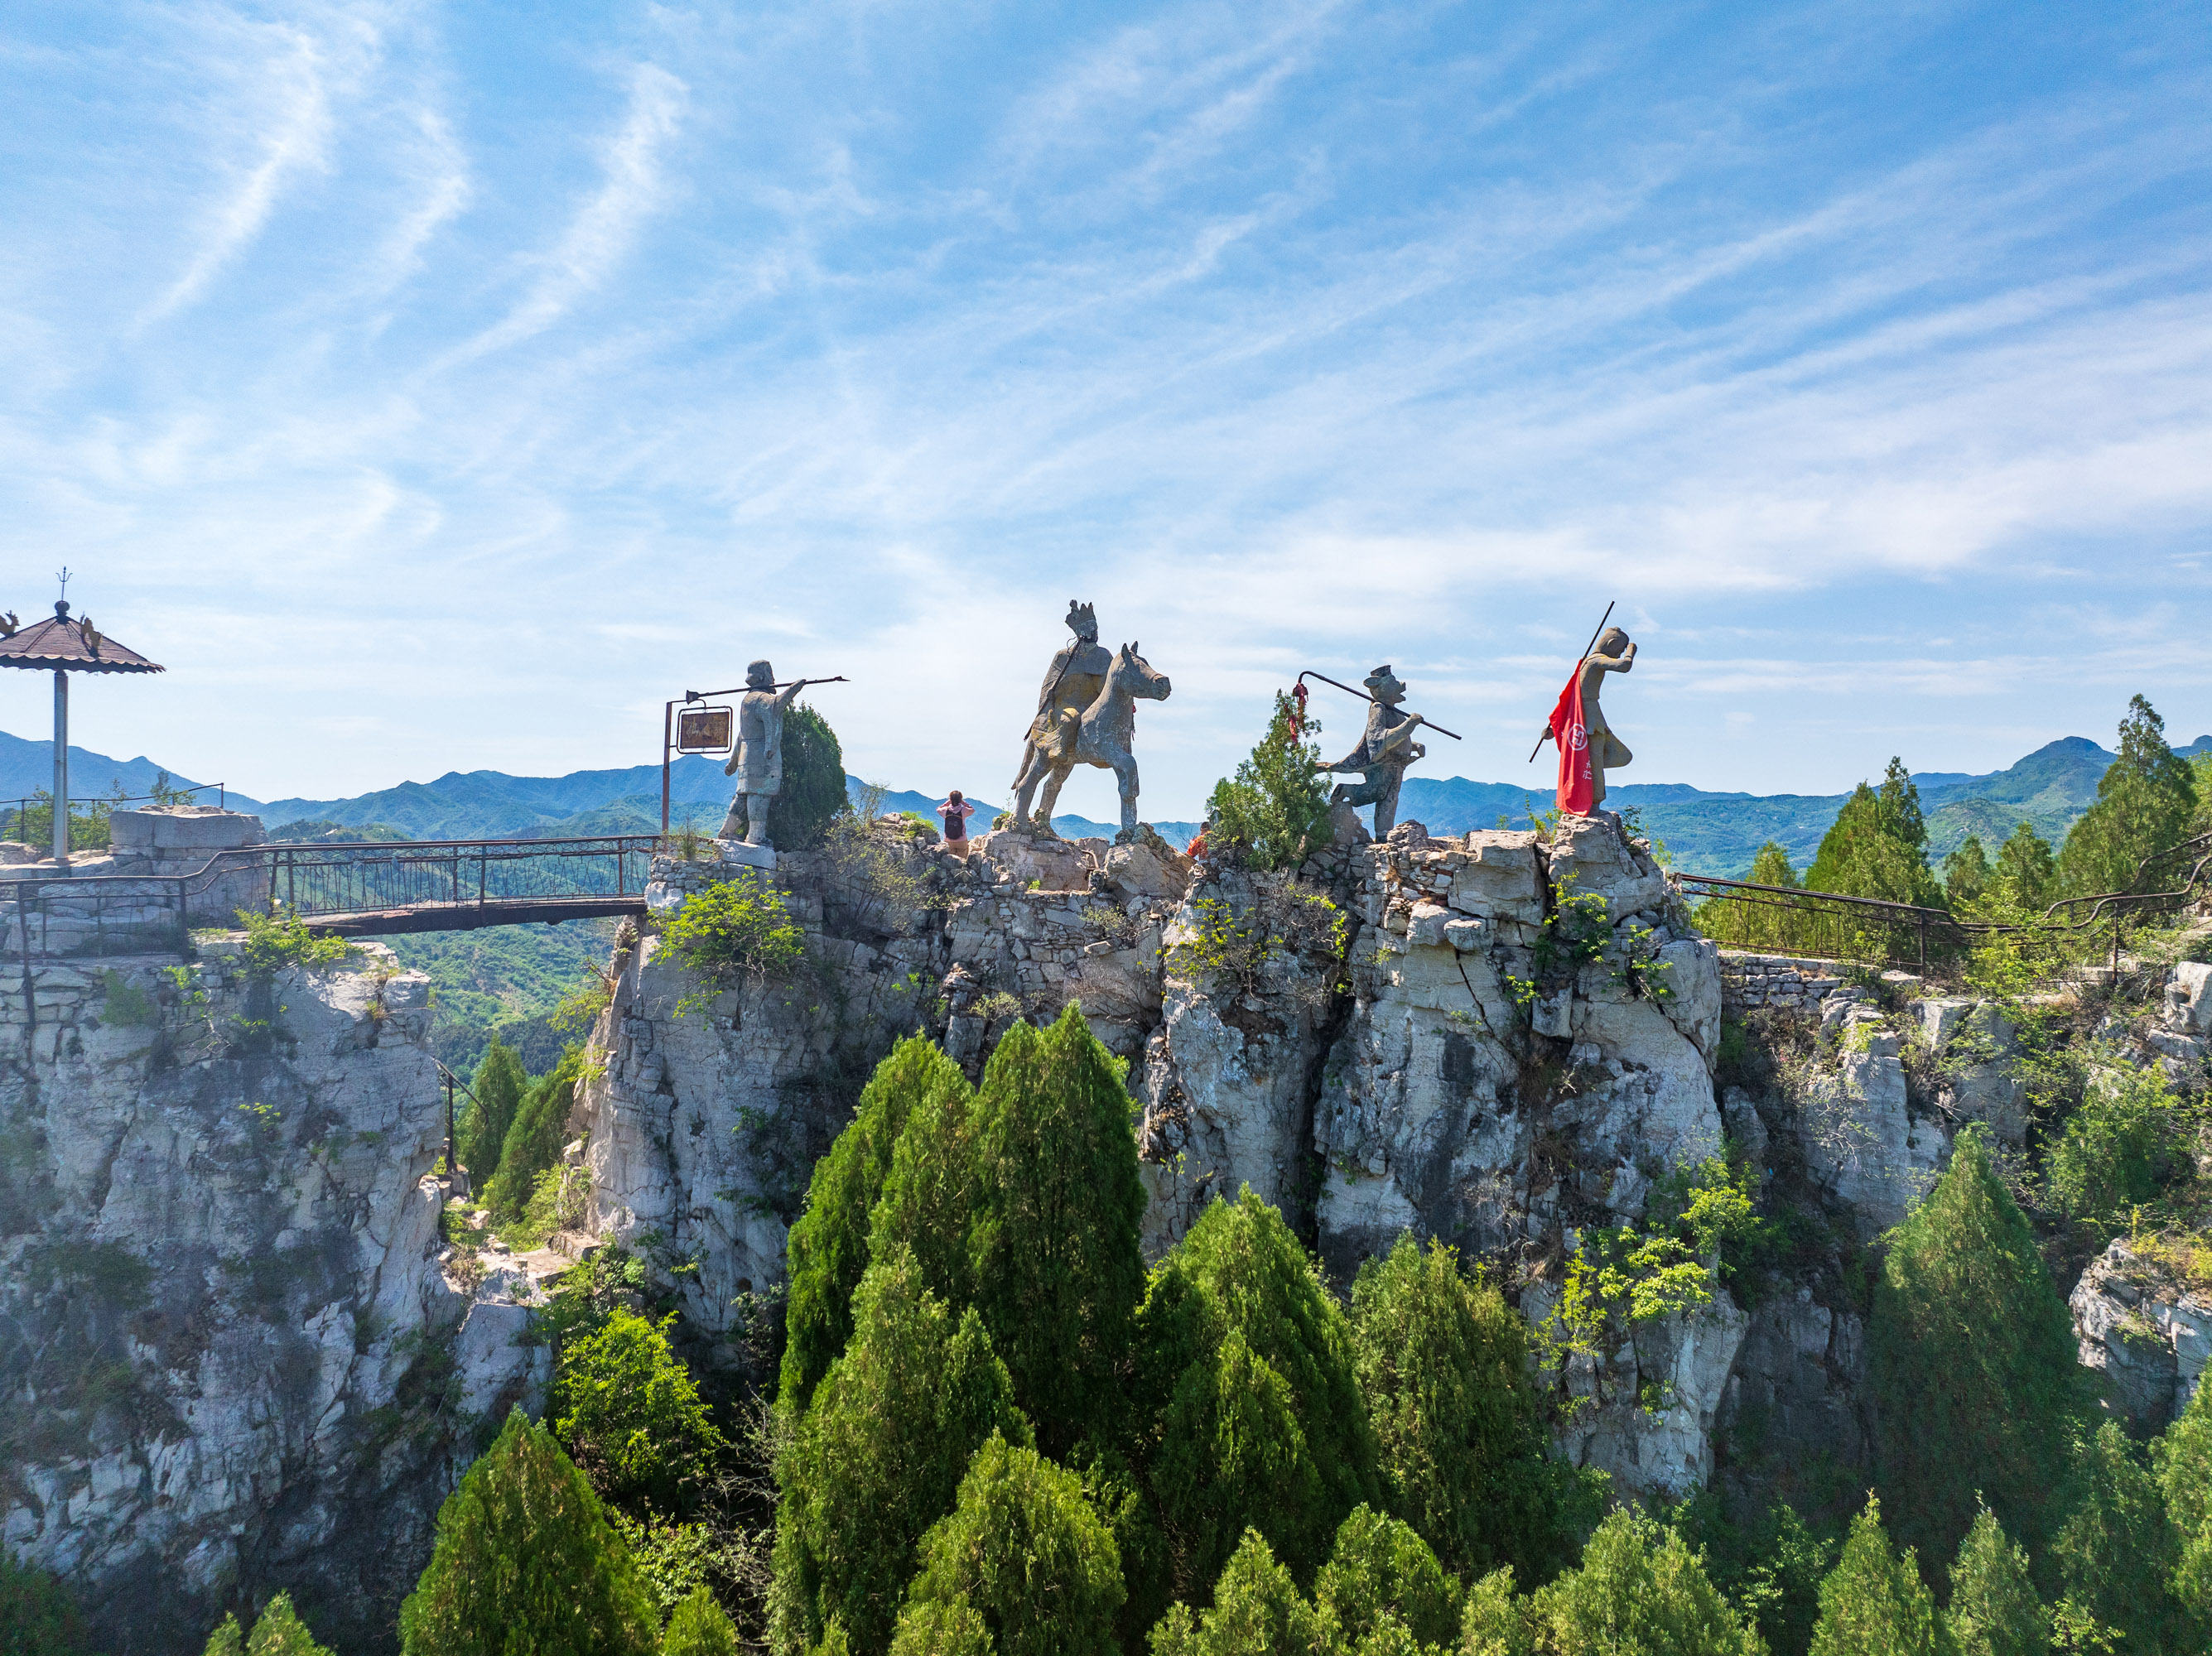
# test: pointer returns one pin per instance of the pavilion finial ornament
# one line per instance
(8, 625)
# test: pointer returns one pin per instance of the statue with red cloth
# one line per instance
(1587, 747)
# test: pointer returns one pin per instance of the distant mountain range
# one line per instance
(1711, 833)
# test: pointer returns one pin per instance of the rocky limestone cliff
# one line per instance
(230, 1360)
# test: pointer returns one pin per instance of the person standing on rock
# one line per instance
(955, 811)
(1071, 683)
(1587, 747)
(1385, 748)
(757, 761)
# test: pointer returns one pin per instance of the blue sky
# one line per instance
(437, 387)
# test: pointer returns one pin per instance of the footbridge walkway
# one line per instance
(350, 890)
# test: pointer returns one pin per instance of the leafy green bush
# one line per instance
(276, 941)
(2145, 802)
(1442, 1363)
(732, 932)
(828, 1246)
(1971, 1364)
(879, 1455)
(1274, 811)
(526, 1561)
(1640, 1591)
(699, 1629)
(1875, 1603)
(2117, 1149)
(1022, 1547)
(37, 1615)
(627, 1412)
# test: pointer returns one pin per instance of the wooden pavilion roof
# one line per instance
(68, 644)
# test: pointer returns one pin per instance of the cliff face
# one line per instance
(229, 1360)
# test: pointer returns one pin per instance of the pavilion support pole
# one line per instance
(61, 766)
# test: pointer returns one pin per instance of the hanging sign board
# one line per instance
(703, 730)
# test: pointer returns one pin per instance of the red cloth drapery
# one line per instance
(1578, 788)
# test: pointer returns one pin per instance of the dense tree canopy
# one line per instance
(1878, 844)
(629, 1412)
(2146, 801)
(1971, 1364)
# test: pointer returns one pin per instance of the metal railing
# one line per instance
(17, 815)
(354, 879)
(1829, 926)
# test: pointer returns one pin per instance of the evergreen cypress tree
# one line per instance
(2116, 1552)
(1256, 1611)
(942, 1627)
(1275, 809)
(1971, 1363)
(526, 1562)
(2027, 873)
(1994, 1610)
(2183, 1456)
(497, 1091)
(879, 1456)
(699, 1627)
(280, 1632)
(1380, 1570)
(534, 1139)
(1246, 1361)
(1442, 1363)
(1024, 1551)
(1878, 844)
(2145, 802)
(828, 1246)
(227, 1640)
(1055, 1236)
(1640, 1591)
(1874, 1602)
(1966, 875)
(930, 1194)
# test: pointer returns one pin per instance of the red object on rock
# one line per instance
(1578, 788)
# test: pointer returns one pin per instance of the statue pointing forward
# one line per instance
(757, 760)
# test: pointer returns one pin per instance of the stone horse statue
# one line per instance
(1101, 735)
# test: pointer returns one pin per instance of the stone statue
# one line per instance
(1613, 653)
(1385, 749)
(757, 760)
(1071, 683)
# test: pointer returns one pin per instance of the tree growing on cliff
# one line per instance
(1274, 811)
(1873, 1603)
(1442, 1363)
(535, 1137)
(1024, 1549)
(1971, 1364)
(829, 1247)
(496, 1092)
(1878, 844)
(628, 1412)
(2145, 802)
(1247, 1363)
(879, 1457)
(1054, 1237)
(2183, 1457)
(526, 1561)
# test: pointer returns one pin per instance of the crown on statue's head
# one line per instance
(1081, 619)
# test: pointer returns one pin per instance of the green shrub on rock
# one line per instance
(627, 1410)
(526, 1561)
(1274, 811)
(1024, 1549)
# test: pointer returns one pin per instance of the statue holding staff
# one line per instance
(1587, 747)
(1385, 748)
(758, 760)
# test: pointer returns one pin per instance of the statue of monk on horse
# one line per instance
(1086, 714)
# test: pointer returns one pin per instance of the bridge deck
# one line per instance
(470, 916)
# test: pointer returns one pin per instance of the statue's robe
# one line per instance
(1071, 683)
